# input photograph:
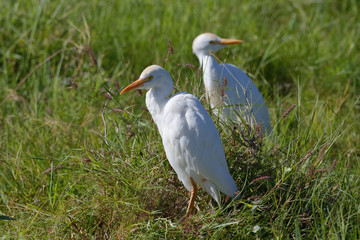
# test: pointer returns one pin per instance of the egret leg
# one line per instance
(193, 193)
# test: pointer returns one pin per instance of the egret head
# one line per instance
(153, 76)
(206, 42)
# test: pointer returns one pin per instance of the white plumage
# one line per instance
(190, 138)
(230, 91)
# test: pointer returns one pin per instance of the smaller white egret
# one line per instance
(230, 91)
(190, 138)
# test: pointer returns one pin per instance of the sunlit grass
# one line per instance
(75, 163)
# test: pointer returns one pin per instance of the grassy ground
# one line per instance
(75, 164)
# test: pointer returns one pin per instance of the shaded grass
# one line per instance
(63, 176)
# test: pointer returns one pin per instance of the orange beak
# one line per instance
(225, 41)
(136, 84)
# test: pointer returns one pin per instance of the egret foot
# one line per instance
(193, 193)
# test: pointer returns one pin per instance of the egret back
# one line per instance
(193, 145)
(241, 96)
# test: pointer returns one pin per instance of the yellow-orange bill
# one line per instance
(225, 41)
(136, 84)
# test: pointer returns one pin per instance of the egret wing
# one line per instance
(243, 96)
(196, 142)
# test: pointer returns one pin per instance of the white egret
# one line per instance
(230, 91)
(190, 138)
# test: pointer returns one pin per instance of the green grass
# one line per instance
(63, 176)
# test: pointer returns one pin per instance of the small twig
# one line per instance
(91, 55)
(103, 118)
(107, 95)
(117, 110)
(321, 156)
(116, 84)
(287, 111)
(199, 73)
(332, 165)
(48, 170)
(311, 171)
(188, 65)
(171, 49)
(308, 154)
(260, 178)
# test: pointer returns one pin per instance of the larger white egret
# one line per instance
(190, 138)
(230, 91)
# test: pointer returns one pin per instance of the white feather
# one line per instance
(190, 138)
(230, 91)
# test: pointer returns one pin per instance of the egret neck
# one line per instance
(156, 99)
(211, 75)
